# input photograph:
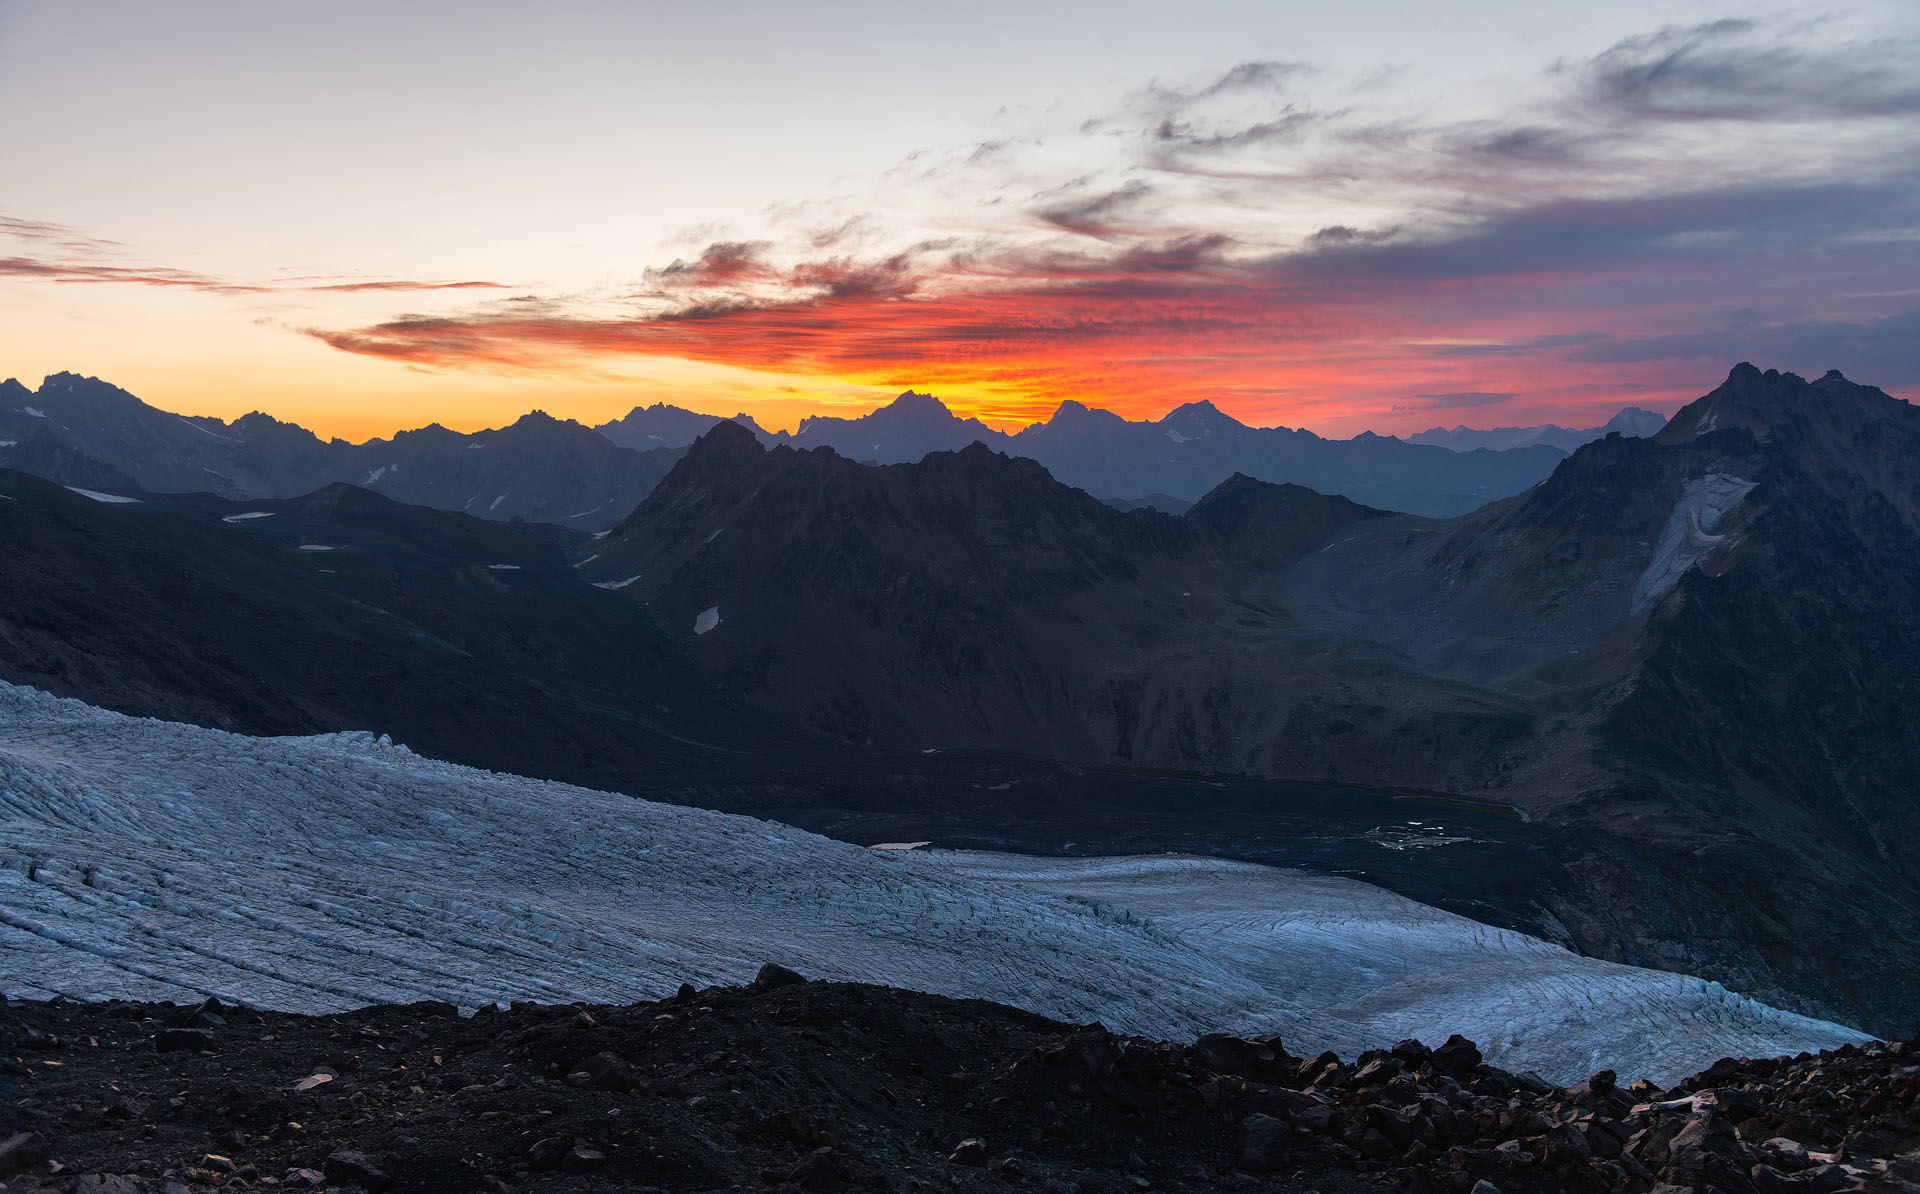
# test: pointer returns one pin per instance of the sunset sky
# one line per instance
(1383, 215)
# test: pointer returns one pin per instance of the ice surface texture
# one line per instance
(144, 859)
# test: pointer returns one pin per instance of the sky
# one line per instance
(1381, 215)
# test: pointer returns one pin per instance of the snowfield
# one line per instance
(143, 859)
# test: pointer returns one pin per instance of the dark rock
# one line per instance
(108, 1183)
(1564, 1147)
(1316, 1068)
(1412, 1053)
(19, 1152)
(350, 1165)
(773, 975)
(1224, 1053)
(1374, 1145)
(1788, 1155)
(1266, 1144)
(1379, 1070)
(546, 1153)
(820, 1171)
(1740, 1105)
(970, 1152)
(798, 1125)
(182, 1040)
(1457, 1056)
(1403, 1127)
(1606, 1138)
(582, 1158)
(1824, 1179)
(604, 1071)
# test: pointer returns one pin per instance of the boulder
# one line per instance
(1457, 1056)
(350, 1165)
(1266, 1144)
(774, 975)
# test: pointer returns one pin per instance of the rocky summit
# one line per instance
(794, 1085)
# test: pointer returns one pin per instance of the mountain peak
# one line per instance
(1834, 416)
(913, 400)
(726, 439)
(1069, 408)
(1200, 418)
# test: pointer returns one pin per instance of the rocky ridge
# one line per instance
(789, 1084)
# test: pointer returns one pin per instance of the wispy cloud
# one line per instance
(1731, 70)
(92, 261)
(139, 275)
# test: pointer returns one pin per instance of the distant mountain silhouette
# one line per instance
(646, 428)
(1181, 456)
(558, 471)
(1632, 422)
(539, 468)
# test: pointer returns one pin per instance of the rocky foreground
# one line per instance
(826, 1086)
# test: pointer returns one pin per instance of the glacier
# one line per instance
(150, 860)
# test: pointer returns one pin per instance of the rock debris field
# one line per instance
(144, 860)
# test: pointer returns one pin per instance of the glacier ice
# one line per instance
(145, 859)
(1689, 536)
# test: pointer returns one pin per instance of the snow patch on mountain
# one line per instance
(1689, 536)
(143, 859)
(96, 495)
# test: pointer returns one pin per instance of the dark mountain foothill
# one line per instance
(822, 1087)
(471, 640)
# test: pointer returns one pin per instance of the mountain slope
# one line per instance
(343, 610)
(968, 599)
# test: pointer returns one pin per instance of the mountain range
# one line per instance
(1179, 456)
(1669, 684)
(1632, 422)
(82, 431)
